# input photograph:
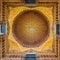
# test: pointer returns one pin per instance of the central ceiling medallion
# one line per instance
(30, 28)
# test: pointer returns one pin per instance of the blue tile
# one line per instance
(30, 1)
(30, 57)
(57, 29)
(3, 28)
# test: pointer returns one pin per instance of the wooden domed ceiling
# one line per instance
(30, 28)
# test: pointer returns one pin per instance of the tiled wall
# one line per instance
(24, 59)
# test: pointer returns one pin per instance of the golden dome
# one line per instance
(30, 28)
